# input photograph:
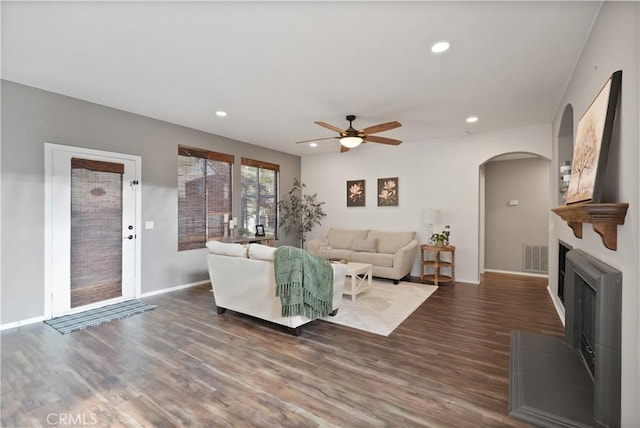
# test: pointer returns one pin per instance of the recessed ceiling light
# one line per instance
(440, 47)
(221, 113)
(313, 144)
(472, 119)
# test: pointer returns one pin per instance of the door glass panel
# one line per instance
(96, 231)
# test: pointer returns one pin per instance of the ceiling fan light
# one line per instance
(350, 142)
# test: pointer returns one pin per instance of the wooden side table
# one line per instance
(437, 263)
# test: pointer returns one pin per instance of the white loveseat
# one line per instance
(243, 280)
(392, 254)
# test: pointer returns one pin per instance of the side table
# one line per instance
(436, 263)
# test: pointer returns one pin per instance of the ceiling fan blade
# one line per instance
(317, 139)
(344, 149)
(329, 126)
(383, 140)
(381, 127)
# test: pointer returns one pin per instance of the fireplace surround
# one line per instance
(551, 383)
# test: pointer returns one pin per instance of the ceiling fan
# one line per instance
(351, 137)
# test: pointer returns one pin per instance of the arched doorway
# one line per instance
(514, 214)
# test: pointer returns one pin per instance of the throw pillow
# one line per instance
(364, 245)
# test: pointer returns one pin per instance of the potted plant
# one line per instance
(440, 239)
(300, 212)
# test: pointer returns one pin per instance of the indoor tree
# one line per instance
(300, 212)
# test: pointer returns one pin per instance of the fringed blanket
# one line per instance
(304, 283)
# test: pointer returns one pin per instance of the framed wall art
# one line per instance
(355, 193)
(388, 192)
(591, 148)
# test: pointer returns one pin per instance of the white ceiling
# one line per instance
(276, 67)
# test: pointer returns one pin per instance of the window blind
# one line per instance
(96, 231)
(204, 195)
(259, 195)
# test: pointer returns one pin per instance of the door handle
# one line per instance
(128, 237)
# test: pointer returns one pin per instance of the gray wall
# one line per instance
(508, 227)
(31, 117)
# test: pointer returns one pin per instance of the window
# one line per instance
(204, 195)
(259, 195)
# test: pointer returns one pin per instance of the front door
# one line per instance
(92, 228)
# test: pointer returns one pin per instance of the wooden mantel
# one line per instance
(605, 219)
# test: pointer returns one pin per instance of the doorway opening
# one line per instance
(514, 203)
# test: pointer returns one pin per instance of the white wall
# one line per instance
(612, 45)
(442, 173)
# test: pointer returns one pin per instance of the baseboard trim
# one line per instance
(557, 304)
(508, 272)
(176, 288)
(21, 323)
(34, 320)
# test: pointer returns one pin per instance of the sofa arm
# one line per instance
(406, 256)
(313, 245)
(339, 275)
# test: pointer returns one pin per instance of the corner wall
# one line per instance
(31, 117)
(613, 44)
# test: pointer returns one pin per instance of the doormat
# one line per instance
(69, 323)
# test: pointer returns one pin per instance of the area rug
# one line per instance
(383, 307)
(69, 323)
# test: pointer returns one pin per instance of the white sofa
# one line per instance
(243, 280)
(392, 254)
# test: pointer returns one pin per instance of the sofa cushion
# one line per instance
(365, 245)
(337, 253)
(262, 252)
(227, 249)
(376, 259)
(341, 238)
(391, 242)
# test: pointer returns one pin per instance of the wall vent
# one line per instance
(535, 258)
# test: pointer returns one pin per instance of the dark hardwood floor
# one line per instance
(184, 365)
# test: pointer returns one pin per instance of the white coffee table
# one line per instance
(360, 274)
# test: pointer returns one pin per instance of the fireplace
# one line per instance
(593, 307)
(588, 320)
(575, 381)
(563, 249)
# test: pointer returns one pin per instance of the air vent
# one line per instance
(535, 258)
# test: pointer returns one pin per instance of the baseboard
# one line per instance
(21, 323)
(508, 272)
(557, 304)
(176, 288)
(151, 293)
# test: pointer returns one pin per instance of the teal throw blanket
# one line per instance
(304, 283)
